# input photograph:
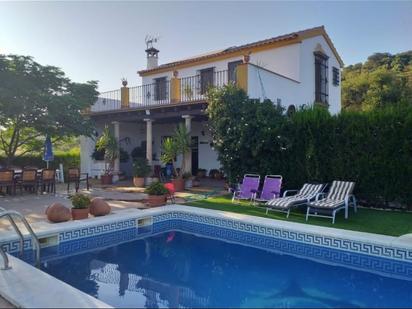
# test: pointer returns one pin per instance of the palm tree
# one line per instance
(176, 145)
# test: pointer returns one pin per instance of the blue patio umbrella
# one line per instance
(48, 151)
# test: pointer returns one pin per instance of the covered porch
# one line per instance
(141, 132)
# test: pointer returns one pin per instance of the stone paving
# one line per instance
(120, 196)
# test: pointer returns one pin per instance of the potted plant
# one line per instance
(179, 144)
(80, 208)
(109, 144)
(201, 173)
(218, 175)
(195, 182)
(213, 172)
(141, 169)
(156, 194)
(187, 176)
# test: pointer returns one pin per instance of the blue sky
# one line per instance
(105, 40)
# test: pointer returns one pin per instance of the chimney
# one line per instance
(152, 58)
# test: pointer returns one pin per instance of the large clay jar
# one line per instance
(99, 207)
(156, 200)
(57, 212)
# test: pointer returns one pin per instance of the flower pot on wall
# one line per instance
(156, 200)
(179, 184)
(80, 213)
(138, 181)
(106, 179)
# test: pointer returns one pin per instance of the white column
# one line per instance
(188, 156)
(149, 140)
(116, 132)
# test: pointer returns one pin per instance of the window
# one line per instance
(335, 72)
(321, 78)
(231, 70)
(160, 88)
(206, 79)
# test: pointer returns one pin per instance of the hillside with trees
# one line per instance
(383, 79)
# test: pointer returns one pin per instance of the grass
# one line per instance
(390, 223)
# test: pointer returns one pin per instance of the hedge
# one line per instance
(68, 159)
(374, 148)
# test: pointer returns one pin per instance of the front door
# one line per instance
(195, 154)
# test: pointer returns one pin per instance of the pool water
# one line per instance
(177, 269)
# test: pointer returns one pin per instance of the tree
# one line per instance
(384, 79)
(245, 132)
(37, 100)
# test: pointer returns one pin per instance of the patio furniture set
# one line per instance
(319, 203)
(32, 180)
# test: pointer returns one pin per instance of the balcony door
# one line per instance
(160, 89)
(206, 79)
(231, 70)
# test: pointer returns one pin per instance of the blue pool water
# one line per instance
(180, 269)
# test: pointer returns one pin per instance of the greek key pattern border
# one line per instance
(371, 249)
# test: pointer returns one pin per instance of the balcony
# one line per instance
(258, 82)
(183, 90)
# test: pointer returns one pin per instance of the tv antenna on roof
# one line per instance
(150, 39)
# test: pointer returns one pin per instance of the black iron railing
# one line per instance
(192, 89)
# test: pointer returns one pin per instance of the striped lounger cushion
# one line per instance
(336, 195)
(307, 192)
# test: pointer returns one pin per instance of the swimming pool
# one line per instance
(178, 263)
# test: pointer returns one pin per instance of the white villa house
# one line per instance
(295, 69)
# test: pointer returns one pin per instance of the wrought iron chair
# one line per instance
(7, 180)
(75, 176)
(28, 180)
(48, 181)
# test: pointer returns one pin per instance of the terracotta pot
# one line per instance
(156, 200)
(79, 214)
(179, 184)
(138, 181)
(106, 179)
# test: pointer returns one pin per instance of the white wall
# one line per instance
(307, 73)
(284, 60)
(263, 84)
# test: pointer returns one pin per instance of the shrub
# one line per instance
(156, 188)
(141, 167)
(80, 201)
(68, 159)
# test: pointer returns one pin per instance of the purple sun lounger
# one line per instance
(271, 189)
(247, 188)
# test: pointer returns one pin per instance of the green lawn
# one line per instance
(365, 220)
